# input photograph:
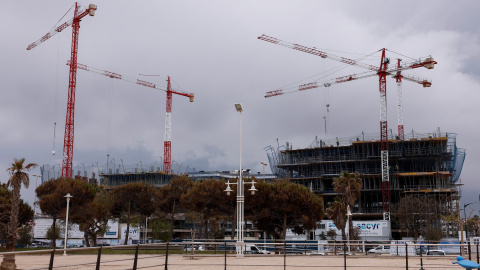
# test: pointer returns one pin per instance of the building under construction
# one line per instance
(421, 164)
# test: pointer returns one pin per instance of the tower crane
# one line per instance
(382, 71)
(398, 77)
(72, 82)
(167, 148)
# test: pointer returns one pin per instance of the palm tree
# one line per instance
(17, 177)
(350, 185)
(337, 211)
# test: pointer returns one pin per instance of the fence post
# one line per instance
(469, 251)
(98, 258)
(225, 247)
(52, 256)
(421, 259)
(166, 256)
(477, 252)
(344, 257)
(136, 258)
(285, 254)
(406, 255)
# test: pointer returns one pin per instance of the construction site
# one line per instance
(427, 165)
(391, 165)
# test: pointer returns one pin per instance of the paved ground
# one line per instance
(214, 262)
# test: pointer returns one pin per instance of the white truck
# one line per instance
(382, 249)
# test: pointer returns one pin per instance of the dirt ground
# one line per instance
(213, 262)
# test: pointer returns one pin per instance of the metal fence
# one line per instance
(222, 255)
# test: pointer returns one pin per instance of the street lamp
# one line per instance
(465, 216)
(240, 196)
(349, 216)
(264, 164)
(35, 203)
(68, 196)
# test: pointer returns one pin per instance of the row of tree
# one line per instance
(274, 208)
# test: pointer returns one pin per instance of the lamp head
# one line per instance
(253, 189)
(228, 189)
(238, 107)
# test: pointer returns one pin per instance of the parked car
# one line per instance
(422, 249)
(435, 252)
(382, 249)
(199, 248)
(319, 253)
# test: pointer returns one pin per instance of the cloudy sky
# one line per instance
(210, 48)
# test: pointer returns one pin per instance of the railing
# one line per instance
(220, 255)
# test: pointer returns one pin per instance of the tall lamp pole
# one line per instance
(68, 196)
(349, 216)
(263, 164)
(466, 224)
(240, 196)
(35, 203)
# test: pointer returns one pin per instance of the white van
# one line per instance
(380, 250)
(252, 249)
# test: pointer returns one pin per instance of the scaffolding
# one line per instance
(423, 164)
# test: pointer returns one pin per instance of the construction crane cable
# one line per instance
(55, 107)
(331, 71)
(400, 54)
(62, 17)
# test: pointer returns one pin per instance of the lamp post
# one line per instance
(349, 216)
(68, 196)
(240, 196)
(240, 210)
(263, 164)
(465, 216)
(35, 202)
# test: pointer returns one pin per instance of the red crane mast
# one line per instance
(167, 150)
(72, 82)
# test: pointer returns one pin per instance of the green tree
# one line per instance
(350, 186)
(281, 206)
(53, 233)
(332, 234)
(131, 200)
(52, 200)
(93, 217)
(415, 214)
(433, 234)
(25, 234)
(51, 203)
(206, 198)
(160, 229)
(167, 199)
(25, 214)
(18, 176)
(337, 211)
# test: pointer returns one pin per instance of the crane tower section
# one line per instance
(72, 82)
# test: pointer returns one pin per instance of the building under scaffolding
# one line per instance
(115, 174)
(421, 164)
